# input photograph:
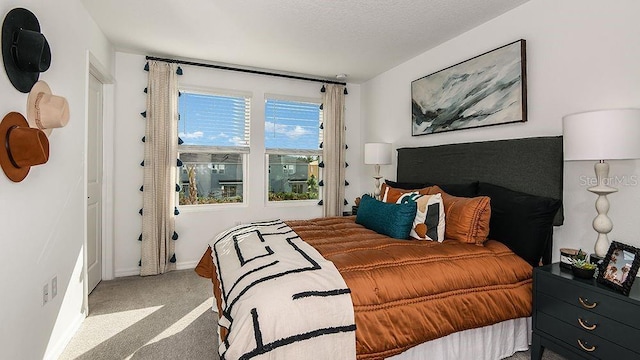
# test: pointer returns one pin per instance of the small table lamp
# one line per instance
(602, 135)
(377, 154)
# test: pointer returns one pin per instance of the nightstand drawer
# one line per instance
(580, 318)
(583, 341)
(599, 301)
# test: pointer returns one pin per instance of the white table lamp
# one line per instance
(602, 135)
(377, 154)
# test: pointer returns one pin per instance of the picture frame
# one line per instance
(619, 267)
(488, 89)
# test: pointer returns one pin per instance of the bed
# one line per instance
(409, 299)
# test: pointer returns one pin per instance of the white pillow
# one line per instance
(429, 223)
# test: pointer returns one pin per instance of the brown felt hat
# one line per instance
(44, 110)
(21, 146)
(25, 50)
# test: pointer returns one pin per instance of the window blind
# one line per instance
(292, 126)
(216, 121)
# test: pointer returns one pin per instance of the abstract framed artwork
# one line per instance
(488, 89)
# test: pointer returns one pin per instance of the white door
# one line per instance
(94, 184)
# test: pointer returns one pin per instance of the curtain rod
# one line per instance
(258, 72)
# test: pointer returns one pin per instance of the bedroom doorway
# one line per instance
(94, 182)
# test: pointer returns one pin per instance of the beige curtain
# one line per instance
(160, 151)
(333, 150)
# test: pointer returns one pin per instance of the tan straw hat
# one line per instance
(44, 110)
(21, 146)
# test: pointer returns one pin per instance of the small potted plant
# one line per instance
(581, 267)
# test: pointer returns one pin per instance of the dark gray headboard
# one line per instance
(530, 165)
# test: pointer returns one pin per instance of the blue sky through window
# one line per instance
(291, 125)
(213, 120)
(219, 120)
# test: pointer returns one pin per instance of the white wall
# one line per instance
(198, 226)
(581, 55)
(42, 219)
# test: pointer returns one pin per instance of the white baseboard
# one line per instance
(127, 272)
(57, 349)
(136, 271)
(187, 265)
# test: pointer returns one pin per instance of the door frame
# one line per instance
(95, 68)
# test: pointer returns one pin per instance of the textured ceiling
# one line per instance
(323, 38)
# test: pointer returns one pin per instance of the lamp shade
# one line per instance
(602, 135)
(377, 153)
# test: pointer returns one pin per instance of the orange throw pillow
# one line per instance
(391, 195)
(467, 219)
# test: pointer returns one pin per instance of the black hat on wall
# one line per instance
(25, 51)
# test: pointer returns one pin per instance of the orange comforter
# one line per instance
(406, 292)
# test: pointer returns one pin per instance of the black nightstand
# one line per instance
(582, 319)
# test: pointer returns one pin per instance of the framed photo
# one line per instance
(619, 267)
(489, 89)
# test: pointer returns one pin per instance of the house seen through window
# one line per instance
(214, 128)
(292, 142)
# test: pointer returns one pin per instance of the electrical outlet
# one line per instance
(45, 294)
(54, 287)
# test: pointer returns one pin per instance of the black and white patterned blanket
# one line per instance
(280, 298)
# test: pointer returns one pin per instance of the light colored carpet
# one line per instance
(157, 317)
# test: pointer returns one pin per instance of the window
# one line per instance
(292, 141)
(214, 128)
(297, 188)
(217, 168)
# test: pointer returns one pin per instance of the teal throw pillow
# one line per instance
(394, 220)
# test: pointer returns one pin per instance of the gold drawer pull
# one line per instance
(589, 349)
(584, 302)
(585, 326)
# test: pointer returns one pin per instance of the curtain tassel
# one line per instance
(179, 71)
(346, 164)
(346, 202)
(346, 183)
(142, 163)
(321, 125)
(175, 211)
(140, 262)
(180, 142)
(321, 164)
(146, 67)
(173, 259)
(323, 89)
(320, 202)
(178, 188)
(140, 212)
(146, 90)
(321, 144)
(346, 93)
(175, 236)
(144, 139)
(178, 163)
(144, 114)
(321, 106)
(140, 237)
(321, 183)
(142, 188)
(346, 147)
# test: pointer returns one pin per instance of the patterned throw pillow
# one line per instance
(467, 218)
(429, 222)
(390, 194)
